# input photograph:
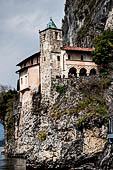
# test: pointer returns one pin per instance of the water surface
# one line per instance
(11, 163)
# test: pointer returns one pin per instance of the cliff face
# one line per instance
(72, 134)
(84, 19)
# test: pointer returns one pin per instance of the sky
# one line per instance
(20, 22)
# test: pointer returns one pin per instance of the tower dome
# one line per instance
(51, 24)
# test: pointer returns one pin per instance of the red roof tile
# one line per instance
(68, 48)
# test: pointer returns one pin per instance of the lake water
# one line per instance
(11, 163)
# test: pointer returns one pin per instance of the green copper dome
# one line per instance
(51, 24)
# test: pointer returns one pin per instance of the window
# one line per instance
(44, 36)
(42, 45)
(82, 57)
(72, 72)
(92, 72)
(31, 61)
(25, 79)
(44, 58)
(68, 57)
(21, 80)
(56, 35)
(58, 58)
(38, 60)
(83, 72)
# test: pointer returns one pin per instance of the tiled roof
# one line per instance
(69, 48)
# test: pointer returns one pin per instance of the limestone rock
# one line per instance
(84, 20)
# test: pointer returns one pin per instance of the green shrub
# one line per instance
(103, 48)
(10, 122)
(101, 110)
(86, 11)
(80, 122)
(61, 89)
(43, 136)
(92, 3)
(81, 17)
(66, 4)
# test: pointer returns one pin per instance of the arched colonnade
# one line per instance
(83, 71)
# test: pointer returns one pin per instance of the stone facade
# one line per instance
(50, 47)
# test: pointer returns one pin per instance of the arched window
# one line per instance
(83, 72)
(92, 72)
(72, 72)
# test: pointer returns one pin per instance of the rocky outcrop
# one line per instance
(68, 137)
(71, 133)
(24, 130)
(65, 146)
(84, 19)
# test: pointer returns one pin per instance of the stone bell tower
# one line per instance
(50, 52)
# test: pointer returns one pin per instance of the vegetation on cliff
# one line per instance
(103, 53)
(85, 96)
(8, 98)
(73, 131)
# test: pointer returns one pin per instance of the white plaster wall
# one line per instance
(77, 55)
(33, 77)
(23, 79)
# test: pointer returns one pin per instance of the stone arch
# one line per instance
(72, 72)
(92, 71)
(83, 72)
